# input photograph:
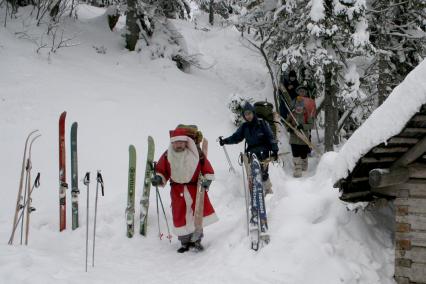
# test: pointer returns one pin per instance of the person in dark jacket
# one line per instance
(287, 92)
(291, 84)
(259, 140)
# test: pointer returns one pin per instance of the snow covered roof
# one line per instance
(405, 101)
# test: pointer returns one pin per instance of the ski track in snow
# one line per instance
(120, 98)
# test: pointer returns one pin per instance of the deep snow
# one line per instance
(119, 98)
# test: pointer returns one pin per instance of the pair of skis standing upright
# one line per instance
(63, 185)
(23, 207)
(144, 202)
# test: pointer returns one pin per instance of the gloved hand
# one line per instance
(156, 180)
(206, 184)
(290, 130)
(300, 127)
(274, 155)
(221, 141)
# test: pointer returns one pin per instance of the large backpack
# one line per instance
(265, 111)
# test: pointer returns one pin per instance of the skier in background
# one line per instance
(182, 164)
(287, 92)
(260, 141)
(302, 118)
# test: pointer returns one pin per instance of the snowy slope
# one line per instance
(119, 98)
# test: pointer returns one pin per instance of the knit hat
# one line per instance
(298, 89)
(248, 107)
(292, 73)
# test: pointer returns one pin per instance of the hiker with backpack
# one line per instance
(182, 164)
(302, 118)
(259, 140)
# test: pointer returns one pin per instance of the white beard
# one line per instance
(183, 164)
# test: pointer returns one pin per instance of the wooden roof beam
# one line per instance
(411, 155)
(403, 140)
(388, 177)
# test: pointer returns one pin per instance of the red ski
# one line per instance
(62, 173)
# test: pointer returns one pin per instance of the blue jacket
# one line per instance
(258, 136)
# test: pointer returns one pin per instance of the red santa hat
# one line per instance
(179, 134)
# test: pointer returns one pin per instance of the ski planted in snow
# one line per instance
(62, 173)
(27, 205)
(74, 176)
(149, 171)
(258, 219)
(20, 200)
(130, 209)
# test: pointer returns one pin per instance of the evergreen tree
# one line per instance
(398, 33)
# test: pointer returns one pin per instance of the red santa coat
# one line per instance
(183, 196)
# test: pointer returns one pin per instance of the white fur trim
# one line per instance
(208, 220)
(189, 227)
(189, 217)
(209, 176)
(179, 138)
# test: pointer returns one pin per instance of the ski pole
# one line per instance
(231, 167)
(99, 181)
(160, 235)
(157, 193)
(169, 236)
(86, 182)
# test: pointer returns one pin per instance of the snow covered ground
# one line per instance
(119, 98)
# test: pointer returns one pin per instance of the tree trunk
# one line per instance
(383, 72)
(211, 13)
(330, 109)
(132, 33)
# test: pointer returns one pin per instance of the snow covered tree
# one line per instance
(172, 9)
(264, 32)
(141, 15)
(221, 7)
(324, 38)
(398, 32)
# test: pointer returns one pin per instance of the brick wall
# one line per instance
(410, 237)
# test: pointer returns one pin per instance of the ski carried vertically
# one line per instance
(247, 185)
(258, 219)
(149, 171)
(130, 209)
(205, 146)
(62, 173)
(198, 210)
(74, 177)
(199, 199)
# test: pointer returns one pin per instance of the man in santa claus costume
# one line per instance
(182, 164)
